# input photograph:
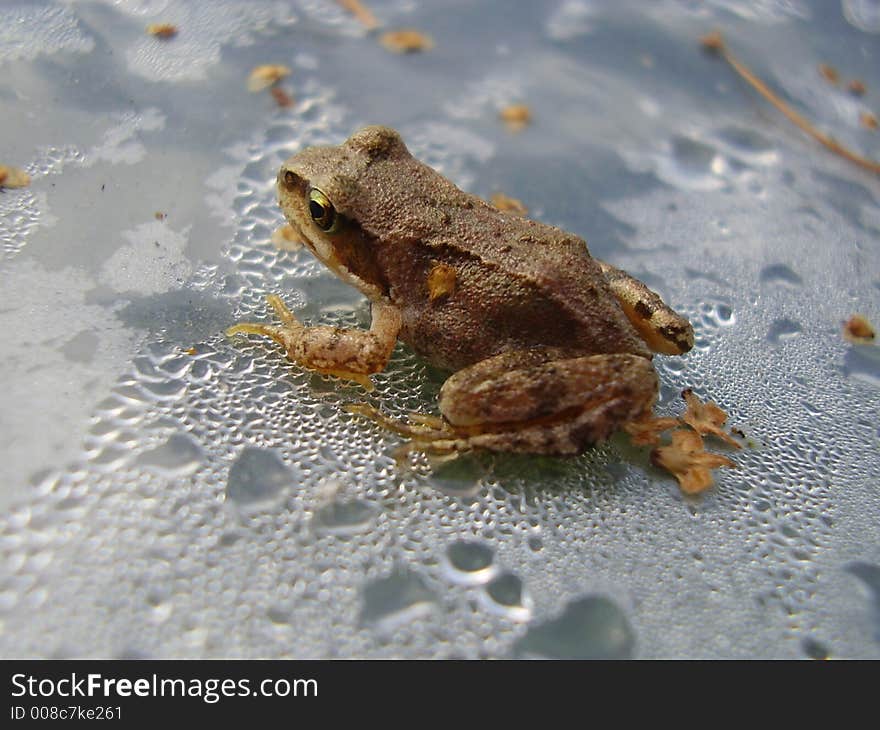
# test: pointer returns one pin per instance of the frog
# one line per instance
(550, 350)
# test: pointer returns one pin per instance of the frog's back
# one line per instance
(509, 283)
(505, 282)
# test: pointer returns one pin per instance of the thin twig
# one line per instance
(715, 43)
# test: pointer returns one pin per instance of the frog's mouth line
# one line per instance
(326, 254)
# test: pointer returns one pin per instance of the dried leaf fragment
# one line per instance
(856, 87)
(507, 204)
(406, 40)
(858, 330)
(162, 30)
(647, 430)
(159, 215)
(868, 120)
(361, 12)
(266, 75)
(706, 418)
(688, 462)
(286, 238)
(13, 177)
(829, 73)
(516, 117)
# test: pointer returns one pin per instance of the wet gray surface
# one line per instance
(169, 492)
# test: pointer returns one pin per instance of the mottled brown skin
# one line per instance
(552, 348)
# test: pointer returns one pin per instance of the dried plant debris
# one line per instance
(13, 177)
(162, 30)
(706, 418)
(269, 74)
(507, 204)
(714, 43)
(286, 238)
(282, 98)
(858, 330)
(868, 120)
(159, 215)
(516, 117)
(688, 462)
(856, 87)
(829, 73)
(361, 12)
(646, 431)
(406, 40)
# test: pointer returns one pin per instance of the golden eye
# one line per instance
(322, 211)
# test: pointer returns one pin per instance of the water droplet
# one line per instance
(396, 599)
(869, 574)
(593, 627)
(341, 518)
(258, 478)
(506, 597)
(782, 329)
(469, 562)
(780, 274)
(179, 455)
(863, 363)
(692, 165)
(460, 477)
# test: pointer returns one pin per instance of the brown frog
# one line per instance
(551, 348)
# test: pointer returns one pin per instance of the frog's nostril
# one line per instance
(289, 179)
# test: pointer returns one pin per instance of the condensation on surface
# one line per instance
(170, 492)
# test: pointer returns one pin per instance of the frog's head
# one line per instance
(338, 198)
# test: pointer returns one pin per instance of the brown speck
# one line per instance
(507, 204)
(706, 418)
(441, 281)
(406, 40)
(856, 87)
(162, 30)
(191, 351)
(868, 120)
(361, 12)
(516, 117)
(858, 330)
(286, 238)
(829, 73)
(688, 462)
(159, 215)
(13, 177)
(266, 75)
(282, 98)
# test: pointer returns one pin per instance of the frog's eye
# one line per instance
(322, 211)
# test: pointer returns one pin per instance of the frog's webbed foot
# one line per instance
(425, 433)
(346, 353)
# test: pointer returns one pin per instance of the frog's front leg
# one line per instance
(346, 353)
(540, 402)
(661, 327)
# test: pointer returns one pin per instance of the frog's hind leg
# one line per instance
(661, 327)
(539, 401)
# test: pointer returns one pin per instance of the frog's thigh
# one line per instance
(536, 402)
(661, 327)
